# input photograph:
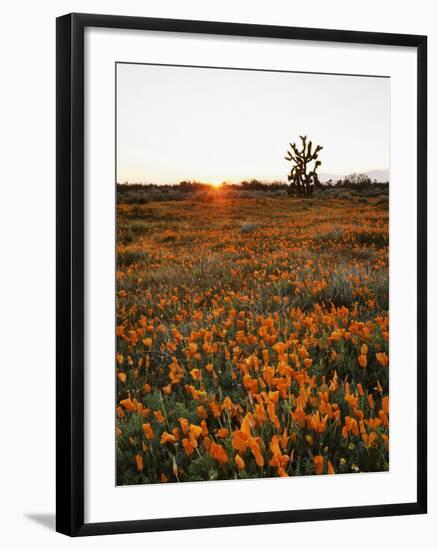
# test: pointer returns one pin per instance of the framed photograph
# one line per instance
(241, 274)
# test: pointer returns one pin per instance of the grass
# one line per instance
(252, 338)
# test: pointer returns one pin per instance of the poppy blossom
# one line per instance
(159, 416)
(148, 431)
(218, 453)
(318, 461)
(128, 404)
(139, 462)
(240, 463)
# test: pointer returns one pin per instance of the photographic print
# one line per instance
(252, 282)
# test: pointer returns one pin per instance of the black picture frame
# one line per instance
(70, 273)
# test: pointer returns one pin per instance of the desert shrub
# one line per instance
(169, 196)
(249, 227)
(364, 254)
(136, 212)
(382, 201)
(139, 227)
(132, 198)
(372, 192)
(376, 238)
(169, 237)
(344, 196)
(341, 289)
(125, 235)
(129, 257)
(204, 196)
(334, 234)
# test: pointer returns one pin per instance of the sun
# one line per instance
(214, 182)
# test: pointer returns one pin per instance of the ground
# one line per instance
(252, 337)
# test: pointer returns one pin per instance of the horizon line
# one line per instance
(249, 179)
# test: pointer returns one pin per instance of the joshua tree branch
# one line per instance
(300, 179)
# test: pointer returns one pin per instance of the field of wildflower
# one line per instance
(252, 338)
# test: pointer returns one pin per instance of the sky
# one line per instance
(215, 125)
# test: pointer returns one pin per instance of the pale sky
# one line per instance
(214, 125)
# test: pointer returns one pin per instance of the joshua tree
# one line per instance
(302, 181)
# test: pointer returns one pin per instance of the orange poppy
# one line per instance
(218, 453)
(240, 441)
(139, 462)
(122, 377)
(240, 463)
(188, 447)
(127, 404)
(382, 359)
(255, 449)
(148, 431)
(159, 416)
(166, 437)
(318, 461)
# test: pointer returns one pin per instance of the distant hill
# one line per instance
(379, 175)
